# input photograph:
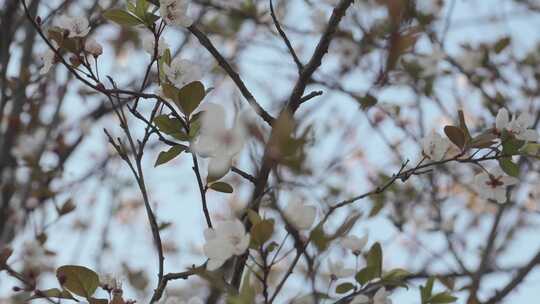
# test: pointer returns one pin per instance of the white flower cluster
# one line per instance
(226, 239)
(491, 184)
(75, 28)
(217, 142)
(174, 12)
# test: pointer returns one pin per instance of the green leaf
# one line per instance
(344, 287)
(195, 125)
(140, 10)
(319, 238)
(374, 258)
(190, 97)
(456, 136)
(366, 274)
(509, 167)
(52, 293)
(222, 187)
(262, 232)
(511, 145)
(122, 17)
(170, 91)
(80, 280)
(167, 156)
(442, 298)
(171, 126)
(396, 274)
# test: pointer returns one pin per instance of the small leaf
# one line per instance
(167, 156)
(52, 293)
(190, 97)
(253, 217)
(319, 238)
(80, 280)
(374, 258)
(511, 145)
(222, 187)
(121, 17)
(501, 44)
(262, 232)
(484, 140)
(442, 298)
(66, 208)
(344, 287)
(509, 167)
(366, 274)
(141, 8)
(456, 135)
(397, 274)
(367, 101)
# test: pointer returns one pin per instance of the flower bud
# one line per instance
(93, 47)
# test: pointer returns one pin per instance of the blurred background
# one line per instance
(68, 198)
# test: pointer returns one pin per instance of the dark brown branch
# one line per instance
(299, 64)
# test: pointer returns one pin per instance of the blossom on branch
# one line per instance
(435, 146)
(182, 71)
(148, 45)
(49, 59)
(174, 12)
(217, 142)
(228, 238)
(301, 216)
(493, 185)
(354, 243)
(93, 47)
(76, 26)
(337, 270)
(519, 126)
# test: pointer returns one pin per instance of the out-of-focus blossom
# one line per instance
(93, 47)
(228, 238)
(354, 243)
(301, 216)
(76, 26)
(435, 146)
(175, 12)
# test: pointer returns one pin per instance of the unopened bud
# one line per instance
(38, 20)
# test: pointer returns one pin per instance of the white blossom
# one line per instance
(337, 270)
(28, 144)
(148, 44)
(228, 238)
(519, 126)
(93, 47)
(299, 215)
(76, 26)
(182, 71)
(435, 146)
(110, 281)
(470, 60)
(174, 12)
(493, 185)
(48, 58)
(217, 142)
(354, 243)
